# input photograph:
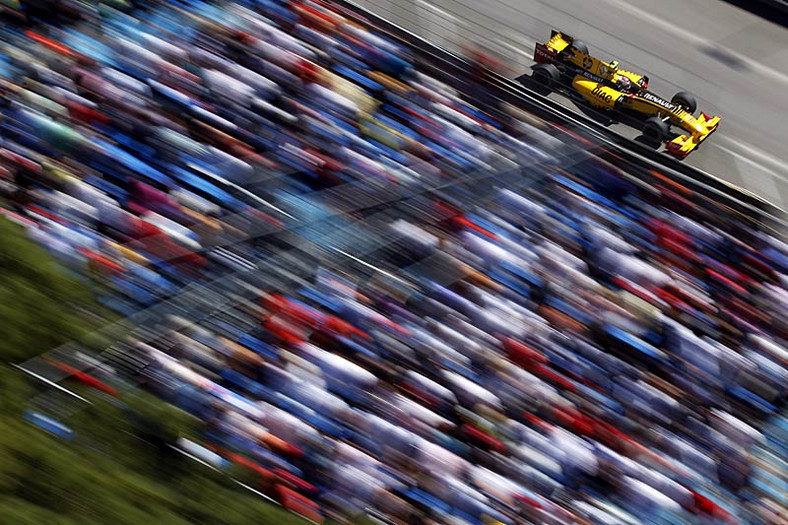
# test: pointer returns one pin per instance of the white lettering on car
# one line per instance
(657, 100)
(542, 53)
(589, 75)
(676, 110)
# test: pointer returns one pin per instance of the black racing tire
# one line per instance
(580, 46)
(655, 130)
(685, 101)
(546, 74)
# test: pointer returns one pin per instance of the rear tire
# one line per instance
(546, 74)
(685, 101)
(580, 46)
(656, 130)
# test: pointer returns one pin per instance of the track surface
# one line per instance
(733, 61)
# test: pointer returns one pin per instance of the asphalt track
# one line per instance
(733, 61)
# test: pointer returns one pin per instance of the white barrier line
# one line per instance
(241, 484)
(51, 383)
(437, 10)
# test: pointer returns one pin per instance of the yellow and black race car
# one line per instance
(563, 63)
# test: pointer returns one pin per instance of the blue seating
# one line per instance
(132, 145)
(226, 329)
(481, 116)
(390, 122)
(327, 302)
(775, 258)
(107, 171)
(426, 499)
(370, 445)
(269, 459)
(173, 273)
(340, 55)
(397, 112)
(133, 163)
(137, 293)
(258, 346)
(88, 46)
(279, 11)
(584, 191)
(28, 139)
(364, 81)
(489, 226)
(107, 187)
(117, 305)
(523, 274)
(473, 520)
(452, 444)
(358, 348)
(463, 371)
(236, 378)
(247, 384)
(635, 343)
(50, 425)
(751, 398)
(205, 188)
(566, 308)
(454, 159)
(608, 402)
(510, 283)
(386, 151)
(318, 421)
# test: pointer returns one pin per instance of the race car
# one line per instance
(563, 64)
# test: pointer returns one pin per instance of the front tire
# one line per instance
(547, 75)
(656, 130)
(685, 101)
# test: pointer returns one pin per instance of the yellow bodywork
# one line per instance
(607, 70)
(595, 93)
(596, 82)
(704, 126)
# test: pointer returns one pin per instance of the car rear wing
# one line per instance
(564, 36)
(544, 53)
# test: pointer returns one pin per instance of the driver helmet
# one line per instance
(624, 83)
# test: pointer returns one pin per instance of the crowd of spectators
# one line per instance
(574, 349)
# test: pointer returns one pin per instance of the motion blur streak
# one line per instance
(381, 295)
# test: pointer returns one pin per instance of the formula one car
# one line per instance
(563, 63)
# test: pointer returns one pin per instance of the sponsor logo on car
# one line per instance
(658, 101)
(588, 75)
(598, 93)
(541, 51)
(588, 62)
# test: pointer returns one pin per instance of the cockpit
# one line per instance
(625, 85)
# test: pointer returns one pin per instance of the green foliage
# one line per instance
(118, 469)
(44, 479)
(37, 299)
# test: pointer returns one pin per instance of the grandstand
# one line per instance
(396, 284)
